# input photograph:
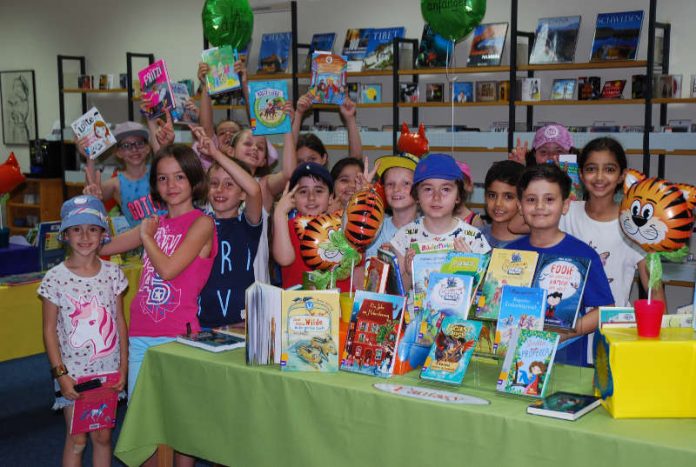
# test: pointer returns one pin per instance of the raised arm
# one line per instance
(206, 118)
(349, 113)
(275, 182)
(122, 243)
(304, 104)
(283, 252)
(240, 69)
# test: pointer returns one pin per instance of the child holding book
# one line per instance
(463, 212)
(501, 202)
(438, 189)
(602, 165)
(76, 294)
(549, 143)
(230, 181)
(543, 192)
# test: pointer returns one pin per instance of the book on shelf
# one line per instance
(433, 49)
(395, 284)
(266, 106)
(94, 132)
(96, 408)
(274, 52)
(564, 405)
(380, 48)
(322, 42)
(667, 86)
(376, 276)
(692, 91)
(106, 82)
(451, 352)
(221, 78)
(603, 126)
(435, 92)
(373, 334)
(613, 89)
(408, 92)
(528, 363)
(530, 89)
(487, 44)
(639, 84)
(616, 36)
(569, 164)
(327, 85)
(51, 251)
(563, 89)
(589, 87)
(310, 330)
(212, 341)
(156, 90)
(520, 307)
(564, 279)
(371, 93)
(679, 125)
(180, 113)
(486, 91)
(463, 91)
(555, 40)
(353, 90)
(355, 45)
(504, 90)
(85, 82)
(447, 295)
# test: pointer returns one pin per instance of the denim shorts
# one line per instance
(137, 346)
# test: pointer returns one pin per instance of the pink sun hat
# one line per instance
(466, 170)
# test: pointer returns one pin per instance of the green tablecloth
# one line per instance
(215, 407)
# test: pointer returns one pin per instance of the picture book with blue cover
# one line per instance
(520, 307)
(355, 45)
(447, 295)
(322, 42)
(266, 101)
(616, 36)
(328, 83)
(274, 52)
(380, 48)
(433, 50)
(564, 279)
(463, 91)
(451, 352)
(528, 363)
(371, 93)
(487, 45)
(423, 265)
(555, 40)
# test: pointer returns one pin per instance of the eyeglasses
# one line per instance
(132, 146)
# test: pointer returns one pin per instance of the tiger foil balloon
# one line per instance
(316, 246)
(363, 217)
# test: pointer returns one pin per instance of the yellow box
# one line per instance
(648, 378)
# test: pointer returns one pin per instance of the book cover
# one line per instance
(451, 352)
(484, 346)
(376, 276)
(328, 81)
(564, 405)
(569, 164)
(96, 409)
(380, 48)
(668, 86)
(274, 52)
(353, 90)
(470, 264)
(616, 36)
(433, 50)
(266, 101)
(589, 87)
(520, 307)
(530, 89)
(212, 341)
(506, 267)
(51, 252)
(692, 93)
(638, 86)
(395, 285)
(528, 363)
(373, 334)
(355, 45)
(310, 330)
(94, 131)
(263, 323)
(613, 89)
(180, 114)
(423, 265)
(435, 92)
(463, 91)
(563, 89)
(221, 78)
(555, 40)
(487, 45)
(504, 90)
(371, 93)
(563, 278)
(447, 295)
(616, 316)
(156, 90)
(408, 92)
(486, 91)
(322, 42)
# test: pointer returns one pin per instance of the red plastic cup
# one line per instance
(649, 317)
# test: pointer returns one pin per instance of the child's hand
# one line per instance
(148, 227)
(67, 387)
(335, 204)
(348, 109)
(519, 154)
(197, 132)
(408, 259)
(207, 147)
(287, 201)
(460, 245)
(192, 108)
(203, 70)
(165, 130)
(304, 103)
(366, 178)
(289, 110)
(93, 178)
(123, 375)
(82, 147)
(240, 69)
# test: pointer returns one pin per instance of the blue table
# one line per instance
(18, 259)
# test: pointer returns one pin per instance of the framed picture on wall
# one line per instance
(18, 104)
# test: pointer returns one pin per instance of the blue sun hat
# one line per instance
(442, 166)
(83, 209)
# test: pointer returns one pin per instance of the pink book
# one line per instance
(157, 95)
(96, 409)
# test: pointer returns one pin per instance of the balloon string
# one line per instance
(451, 81)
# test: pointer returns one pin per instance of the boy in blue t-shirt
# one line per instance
(543, 192)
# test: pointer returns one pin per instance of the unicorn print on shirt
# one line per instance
(92, 325)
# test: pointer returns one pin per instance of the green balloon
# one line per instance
(453, 19)
(228, 22)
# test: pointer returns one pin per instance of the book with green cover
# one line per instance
(528, 363)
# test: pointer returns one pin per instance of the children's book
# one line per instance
(395, 285)
(569, 164)
(506, 267)
(212, 341)
(555, 40)
(447, 295)
(528, 363)
(353, 90)
(639, 85)
(266, 101)
(423, 265)
(322, 42)
(520, 307)
(96, 408)
(180, 114)
(93, 129)
(156, 90)
(355, 45)
(530, 89)
(613, 89)
(463, 91)
(310, 330)
(433, 50)
(371, 93)
(221, 78)
(274, 52)
(408, 92)
(484, 346)
(376, 276)
(487, 45)
(263, 323)
(470, 264)
(380, 48)
(373, 334)
(451, 352)
(589, 87)
(563, 89)
(564, 405)
(435, 92)
(616, 316)
(51, 252)
(328, 84)
(486, 91)
(564, 279)
(616, 36)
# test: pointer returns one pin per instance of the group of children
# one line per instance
(206, 233)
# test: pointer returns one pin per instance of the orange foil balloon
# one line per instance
(657, 214)
(10, 174)
(363, 216)
(316, 247)
(413, 143)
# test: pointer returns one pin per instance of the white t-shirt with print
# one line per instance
(415, 232)
(87, 331)
(619, 255)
